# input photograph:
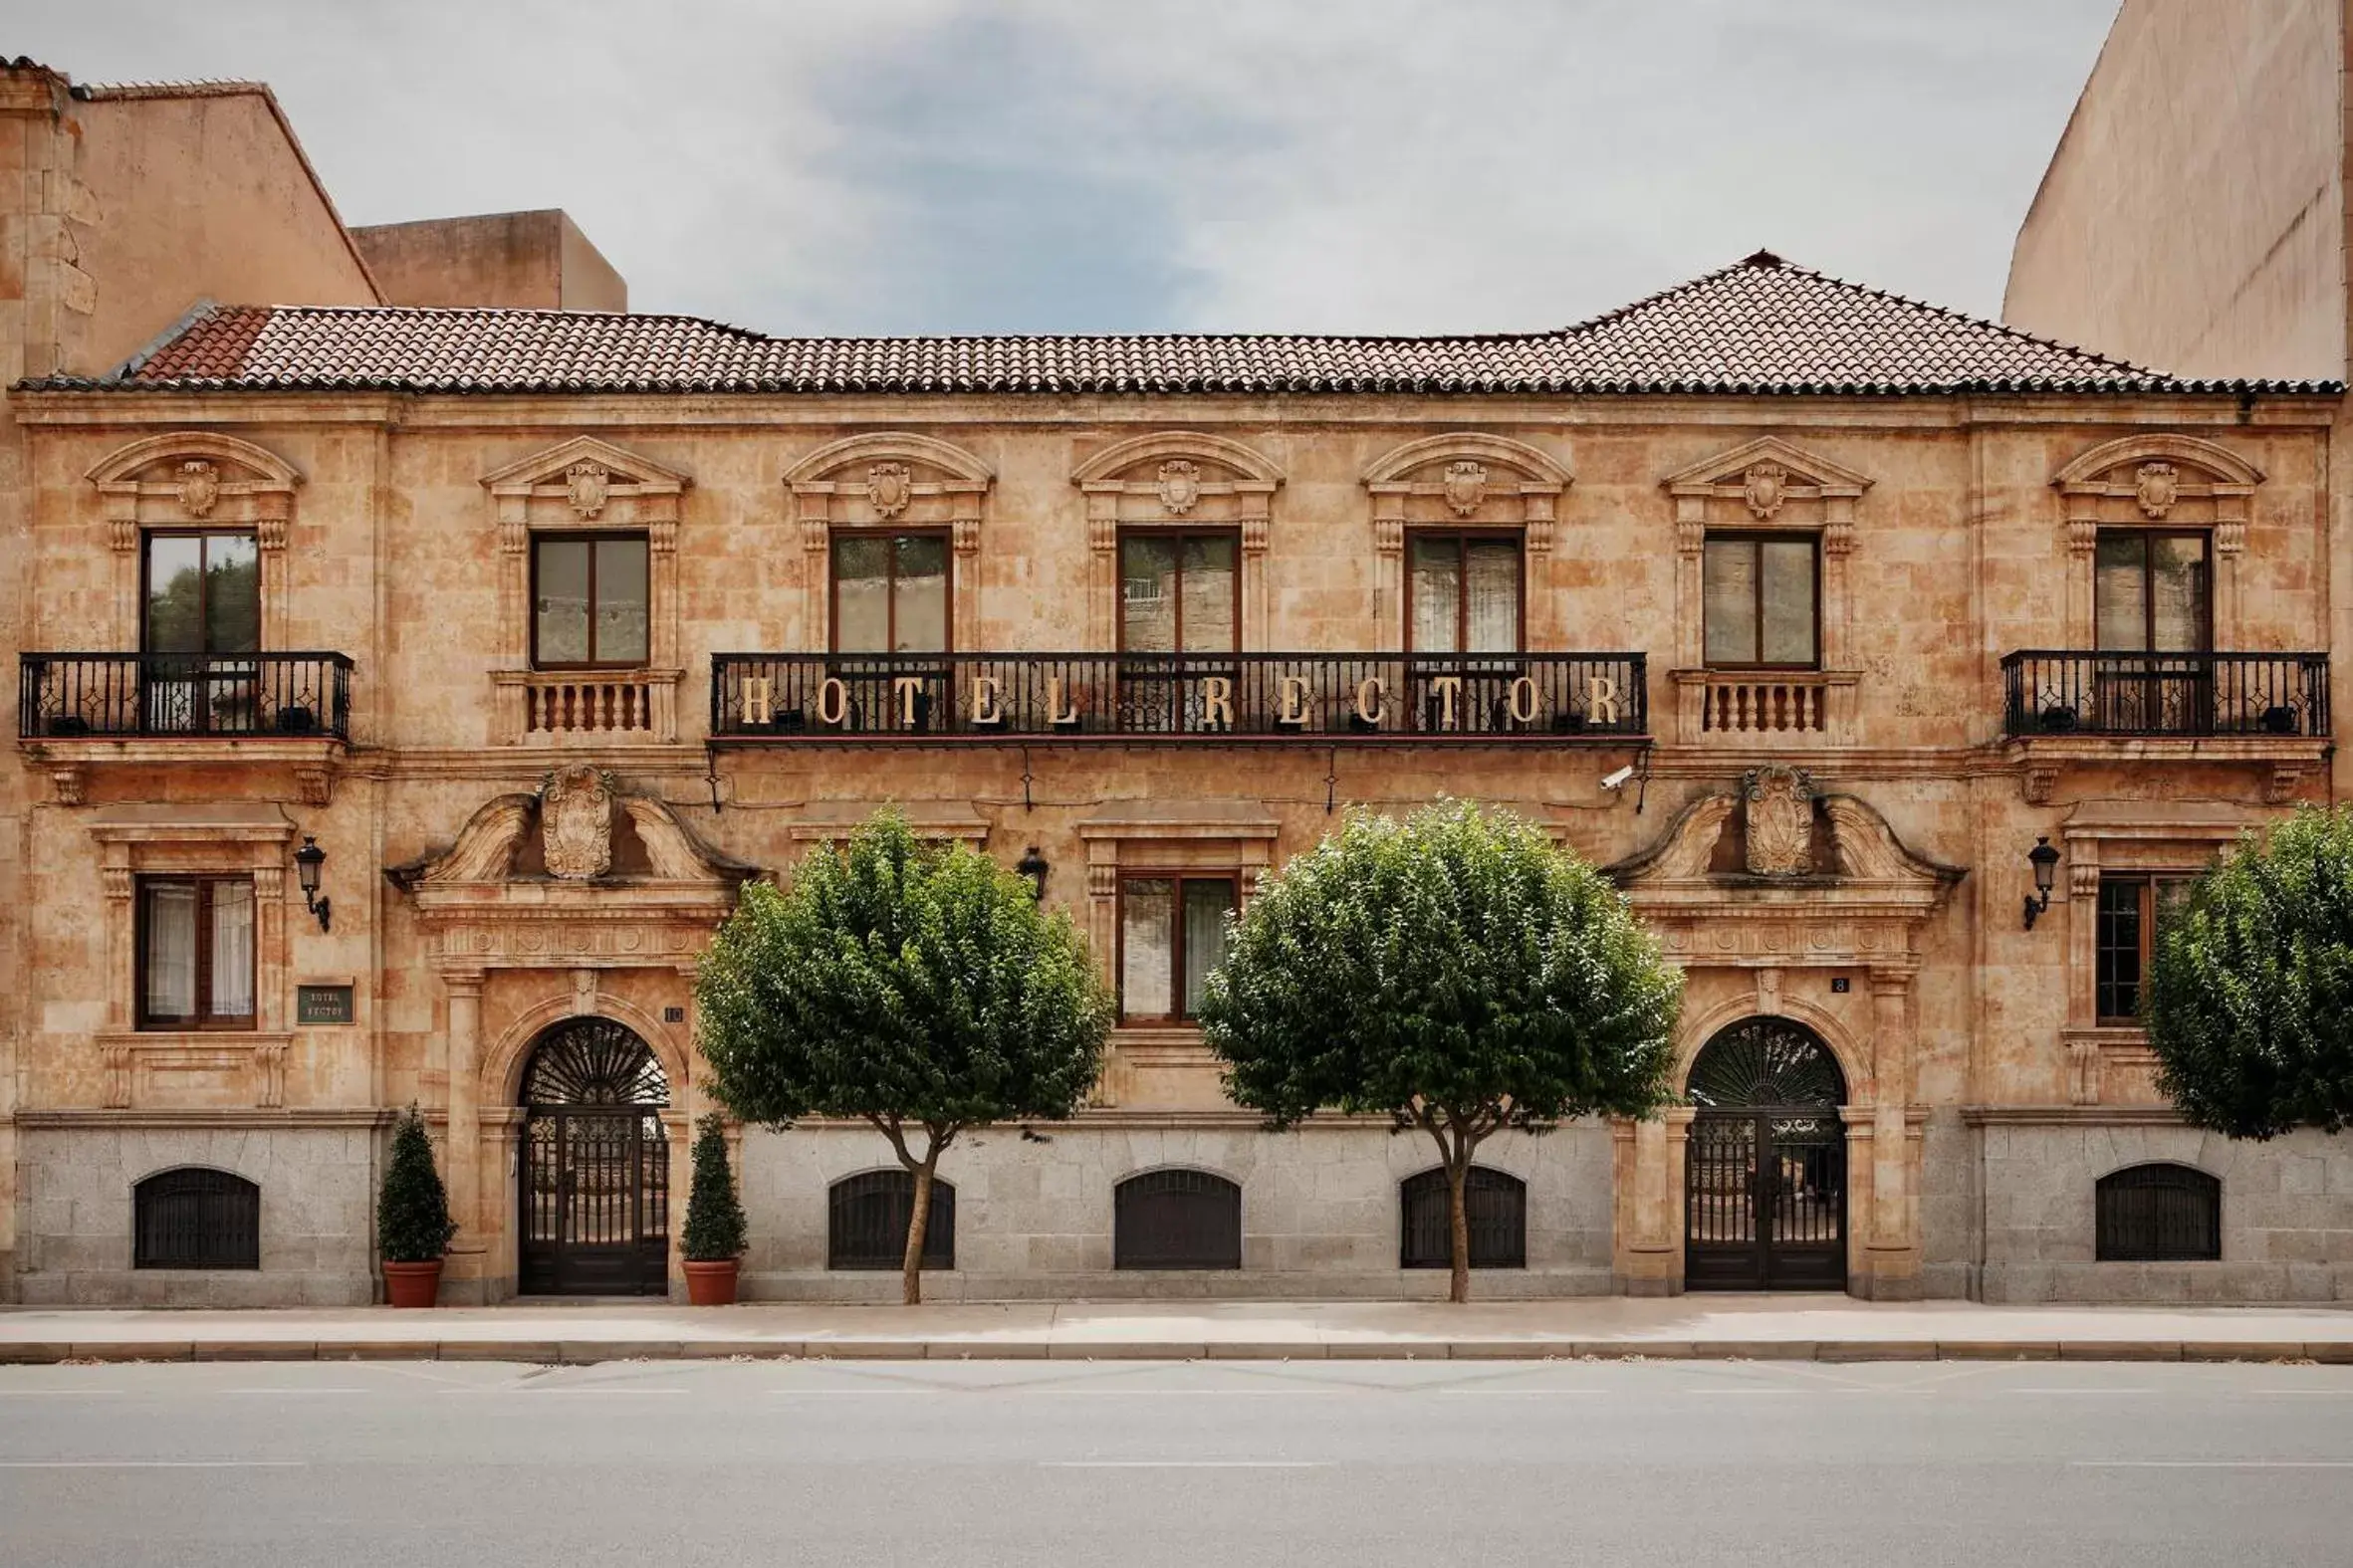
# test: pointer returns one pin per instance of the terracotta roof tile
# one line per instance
(1762, 326)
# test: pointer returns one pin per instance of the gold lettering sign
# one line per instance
(1295, 699)
(1054, 703)
(1601, 700)
(1521, 700)
(759, 699)
(1448, 687)
(908, 689)
(833, 701)
(983, 700)
(1368, 701)
(1217, 701)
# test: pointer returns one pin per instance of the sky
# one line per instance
(882, 166)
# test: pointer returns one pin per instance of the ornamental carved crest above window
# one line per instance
(576, 822)
(199, 487)
(1779, 806)
(586, 484)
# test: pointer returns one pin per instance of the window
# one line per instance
(2159, 1214)
(1176, 1220)
(195, 952)
(1495, 1205)
(1172, 933)
(589, 601)
(193, 1217)
(2151, 592)
(1762, 599)
(866, 1222)
(203, 594)
(1179, 592)
(1462, 592)
(890, 593)
(2125, 936)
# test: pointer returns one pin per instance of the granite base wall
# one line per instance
(316, 1220)
(1319, 1213)
(2287, 1215)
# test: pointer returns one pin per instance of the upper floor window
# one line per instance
(1762, 599)
(2129, 908)
(1172, 934)
(590, 601)
(1462, 592)
(2152, 592)
(1179, 592)
(202, 592)
(890, 593)
(195, 952)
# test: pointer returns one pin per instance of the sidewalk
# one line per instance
(1812, 1328)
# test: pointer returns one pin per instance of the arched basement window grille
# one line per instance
(866, 1222)
(1495, 1203)
(1176, 1220)
(2159, 1214)
(193, 1217)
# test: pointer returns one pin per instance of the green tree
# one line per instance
(714, 1214)
(1455, 972)
(922, 990)
(2249, 1000)
(412, 1222)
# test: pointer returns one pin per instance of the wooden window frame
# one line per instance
(1176, 936)
(890, 536)
(146, 583)
(540, 538)
(2146, 538)
(1462, 539)
(1177, 537)
(2145, 915)
(203, 1021)
(1759, 537)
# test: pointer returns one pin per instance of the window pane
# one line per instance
(1728, 570)
(1206, 907)
(1788, 601)
(232, 950)
(232, 594)
(621, 601)
(176, 594)
(1491, 583)
(861, 594)
(2177, 594)
(1147, 594)
(922, 594)
(1146, 947)
(2117, 954)
(2119, 614)
(1437, 594)
(563, 606)
(169, 958)
(1209, 595)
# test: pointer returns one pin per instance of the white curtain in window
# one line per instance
(171, 950)
(232, 950)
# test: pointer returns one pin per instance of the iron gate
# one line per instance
(595, 1170)
(1764, 1163)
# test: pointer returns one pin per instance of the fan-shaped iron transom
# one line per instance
(1761, 1062)
(593, 1061)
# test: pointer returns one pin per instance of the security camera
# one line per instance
(1617, 781)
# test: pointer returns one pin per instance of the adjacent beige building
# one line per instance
(403, 692)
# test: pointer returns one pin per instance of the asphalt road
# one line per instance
(1298, 1465)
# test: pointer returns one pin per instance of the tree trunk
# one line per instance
(1458, 1224)
(918, 1221)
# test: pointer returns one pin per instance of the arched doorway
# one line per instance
(595, 1166)
(1765, 1165)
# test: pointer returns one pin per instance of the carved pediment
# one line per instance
(1178, 476)
(2158, 479)
(560, 473)
(195, 476)
(1819, 848)
(1472, 478)
(1764, 474)
(582, 827)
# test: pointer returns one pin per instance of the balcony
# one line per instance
(76, 709)
(585, 707)
(1514, 699)
(2064, 706)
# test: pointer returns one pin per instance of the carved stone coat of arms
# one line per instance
(587, 486)
(576, 823)
(1779, 806)
(1465, 484)
(889, 487)
(1180, 485)
(199, 487)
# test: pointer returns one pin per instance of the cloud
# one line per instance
(1386, 165)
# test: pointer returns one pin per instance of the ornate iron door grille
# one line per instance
(1176, 1220)
(1764, 1163)
(595, 1166)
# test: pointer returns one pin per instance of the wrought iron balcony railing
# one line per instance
(2054, 692)
(122, 696)
(1516, 697)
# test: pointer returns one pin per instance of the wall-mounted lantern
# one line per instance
(2045, 861)
(307, 862)
(1032, 865)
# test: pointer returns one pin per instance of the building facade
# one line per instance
(403, 694)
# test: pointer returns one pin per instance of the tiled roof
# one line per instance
(1762, 326)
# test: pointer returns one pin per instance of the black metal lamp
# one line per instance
(307, 862)
(1032, 865)
(2045, 861)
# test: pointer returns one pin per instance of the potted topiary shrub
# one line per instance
(412, 1222)
(714, 1239)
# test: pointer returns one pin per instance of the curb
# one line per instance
(547, 1352)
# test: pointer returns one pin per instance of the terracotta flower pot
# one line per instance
(711, 1284)
(412, 1284)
